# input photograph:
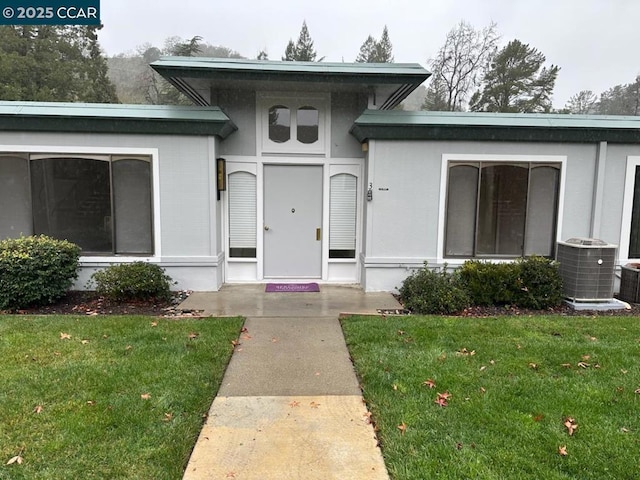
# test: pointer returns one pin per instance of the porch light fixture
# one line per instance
(221, 175)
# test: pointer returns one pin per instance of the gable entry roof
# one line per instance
(390, 83)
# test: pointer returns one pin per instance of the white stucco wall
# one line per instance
(402, 221)
(189, 246)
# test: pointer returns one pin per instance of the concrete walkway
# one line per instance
(289, 406)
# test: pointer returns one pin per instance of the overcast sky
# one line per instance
(596, 43)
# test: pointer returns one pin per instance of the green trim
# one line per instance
(399, 125)
(114, 118)
(236, 69)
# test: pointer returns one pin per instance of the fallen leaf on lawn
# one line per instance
(244, 330)
(314, 405)
(441, 401)
(429, 383)
(563, 450)
(91, 403)
(402, 427)
(464, 351)
(65, 336)
(442, 357)
(533, 365)
(586, 357)
(571, 425)
(566, 365)
(538, 417)
(145, 396)
(17, 459)
(294, 403)
(38, 409)
(57, 354)
(394, 386)
(128, 347)
(483, 368)
(518, 346)
(84, 342)
(367, 417)
(624, 430)
(596, 365)
(193, 335)
(105, 336)
(445, 395)
(401, 332)
(154, 324)
(492, 362)
(593, 339)
(624, 372)
(235, 343)
(483, 390)
(168, 417)
(637, 391)
(583, 365)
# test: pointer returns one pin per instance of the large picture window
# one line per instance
(501, 209)
(102, 203)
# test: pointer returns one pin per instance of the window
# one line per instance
(634, 240)
(342, 216)
(102, 203)
(501, 209)
(242, 215)
(293, 125)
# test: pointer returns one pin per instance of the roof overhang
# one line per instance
(390, 83)
(114, 118)
(400, 125)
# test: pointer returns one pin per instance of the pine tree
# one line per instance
(302, 50)
(517, 82)
(373, 51)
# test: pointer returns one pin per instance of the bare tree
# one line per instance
(584, 102)
(460, 66)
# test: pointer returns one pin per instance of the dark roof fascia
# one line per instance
(13, 117)
(307, 72)
(397, 130)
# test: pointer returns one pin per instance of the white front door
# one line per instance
(292, 221)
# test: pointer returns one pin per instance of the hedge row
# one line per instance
(532, 282)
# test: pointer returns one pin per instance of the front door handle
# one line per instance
(318, 234)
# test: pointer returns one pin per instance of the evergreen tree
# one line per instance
(582, 103)
(373, 51)
(53, 63)
(302, 50)
(517, 82)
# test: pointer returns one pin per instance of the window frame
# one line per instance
(117, 153)
(633, 162)
(449, 159)
(320, 101)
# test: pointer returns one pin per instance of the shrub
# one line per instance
(431, 291)
(132, 281)
(36, 270)
(539, 282)
(489, 283)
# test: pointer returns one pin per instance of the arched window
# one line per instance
(307, 121)
(279, 124)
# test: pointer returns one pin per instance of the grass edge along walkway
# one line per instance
(510, 397)
(107, 396)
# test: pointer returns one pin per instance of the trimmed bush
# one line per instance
(539, 282)
(489, 283)
(430, 291)
(36, 270)
(132, 281)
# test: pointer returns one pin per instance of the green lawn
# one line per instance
(513, 382)
(117, 397)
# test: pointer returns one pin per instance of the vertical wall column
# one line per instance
(598, 191)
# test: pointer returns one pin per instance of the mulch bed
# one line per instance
(89, 303)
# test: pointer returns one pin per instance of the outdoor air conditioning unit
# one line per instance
(587, 269)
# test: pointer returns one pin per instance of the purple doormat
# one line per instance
(292, 287)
